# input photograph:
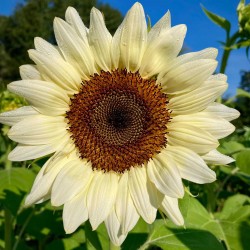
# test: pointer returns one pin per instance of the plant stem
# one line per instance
(8, 229)
(113, 247)
(227, 50)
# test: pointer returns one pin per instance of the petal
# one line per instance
(29, 72)
(215, 125)
(188, 76)
(38, 130)
(191, 166)
(140, 191)
(160, 27)
(198, 99)
(42, 187)
(191, 137)
(56, 70)
(161, 51)
(74, 49)
(113, 227)
(133, 38)
(222, 111)
(44, 96)
(46, 48)
(170, 207)
(27, 152)
(215, 157)
(124, 206)
(73, 178)
(75, 212)
(72, 17)
(164, 173)
(208, 53)
(100, 40)
(115, 47)
(101, 197)
(12, 117)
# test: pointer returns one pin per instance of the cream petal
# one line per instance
(12, 117)
(141, 192)
(75, 212)
(161, 51)
(43, 186)
(170, 207)
(208, 53)
(215, 125)
(45, 96)
(124, 206)
(191, 137)
(215, 157)
(133, 38)
(161, 26)
(164, 173)
(218, 77)
(222, 111)
(29, 72)
(113, 227)
(38, 130)
(187, 76)
(56, 70)
(27, 152)
(100, 40)
(74, 49)
(73, 178)
(46, 48)
(101, 196)
(72, 17)
(191, 166)
(115, 47)
(198, 99)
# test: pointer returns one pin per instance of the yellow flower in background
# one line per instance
(124, 117)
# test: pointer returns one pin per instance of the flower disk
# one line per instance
(118, 120)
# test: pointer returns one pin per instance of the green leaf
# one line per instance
(243, 161)
(243, 93)
(14, 184)
(231, 226)
(98, 239)
(65, 244)
(168, 237)
(233, 205)
(220, 21)
(137, 236)
(231, 147)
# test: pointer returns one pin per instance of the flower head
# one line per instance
(124, 117)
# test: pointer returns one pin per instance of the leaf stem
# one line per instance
(8, 229)
(22, 230)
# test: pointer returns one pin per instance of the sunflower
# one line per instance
(124, 118)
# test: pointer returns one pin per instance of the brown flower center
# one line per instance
(118, 120)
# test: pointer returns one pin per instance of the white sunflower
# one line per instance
(123, 117)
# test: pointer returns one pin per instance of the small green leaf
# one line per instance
(243, 93)
(243, 161)
(221, 21)
(231, 147)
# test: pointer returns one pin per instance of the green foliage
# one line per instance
(218, 219)
(35, 18)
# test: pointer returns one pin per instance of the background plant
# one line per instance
(217, 218)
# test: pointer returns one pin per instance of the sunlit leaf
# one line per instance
(221, 21)
(243, 161)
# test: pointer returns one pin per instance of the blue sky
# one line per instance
(201, 33)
